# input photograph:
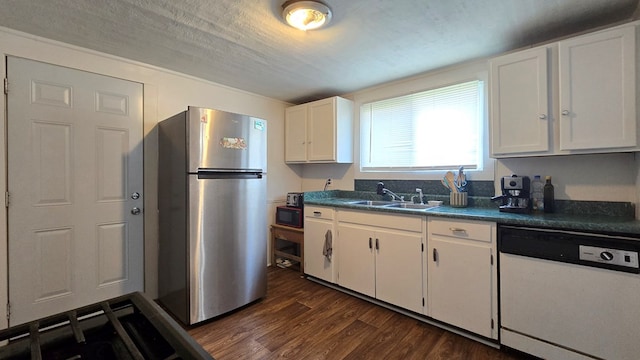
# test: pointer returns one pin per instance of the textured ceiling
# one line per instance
(244, 43)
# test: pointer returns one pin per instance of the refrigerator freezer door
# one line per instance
(222, 140)
(227, 243)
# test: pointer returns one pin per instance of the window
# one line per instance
(431, 130)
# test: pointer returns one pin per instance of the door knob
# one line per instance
(135, 210)
(135, 195)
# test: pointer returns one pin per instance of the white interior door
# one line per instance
(74, 164)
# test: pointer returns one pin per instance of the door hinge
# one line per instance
(8, 311)
(491, 259)
(422, 247)
(6, 85)
(492, 324)
(422, 302)
(6, 199)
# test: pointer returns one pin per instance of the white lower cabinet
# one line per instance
(318, 233)
(381, 256)
(357, 270)
(462, 275)
(440, 267)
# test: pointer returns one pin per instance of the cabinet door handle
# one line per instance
(565, 112)
(452, 229)
(317, 213)
(377, 245)
(370, 246)
(435, 255)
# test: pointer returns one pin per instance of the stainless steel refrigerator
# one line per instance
(212, 202)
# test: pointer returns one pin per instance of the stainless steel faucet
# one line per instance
(393, 195)
(419, 191)
(381, 190)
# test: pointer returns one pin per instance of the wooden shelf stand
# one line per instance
(295, 238)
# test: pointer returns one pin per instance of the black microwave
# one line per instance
(289, 216)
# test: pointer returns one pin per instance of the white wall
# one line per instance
(315, 176)
(165, 93)
(598, 177)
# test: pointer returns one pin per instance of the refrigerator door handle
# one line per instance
(230, 175)
(208, 170)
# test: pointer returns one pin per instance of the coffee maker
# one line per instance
(515, 194)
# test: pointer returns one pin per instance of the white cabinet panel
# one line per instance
(462, 275)
(295, 134)
(356, 262)
(519, 102)
(597, 90)
(460, 288)
(318, 224)
(399, 269)
(321, 130)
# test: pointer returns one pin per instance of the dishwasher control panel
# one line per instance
(609, 256)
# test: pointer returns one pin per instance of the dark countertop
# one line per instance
(578, 222)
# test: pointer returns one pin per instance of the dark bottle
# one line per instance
(549, 197)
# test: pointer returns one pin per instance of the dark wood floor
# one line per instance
(300, 319)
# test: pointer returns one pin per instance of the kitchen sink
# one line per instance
(411, 206)
(370, 203)
(392, 204)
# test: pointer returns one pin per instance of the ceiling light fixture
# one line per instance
(306, 15)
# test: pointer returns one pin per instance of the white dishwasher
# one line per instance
(569, 295)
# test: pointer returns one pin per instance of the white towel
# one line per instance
(327, 249)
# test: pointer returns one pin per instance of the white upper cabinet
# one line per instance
(319, 132)
(576, 96)
(519, 102)
(597, 91)
(295, 134)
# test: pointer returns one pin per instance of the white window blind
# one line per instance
(431, 130)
